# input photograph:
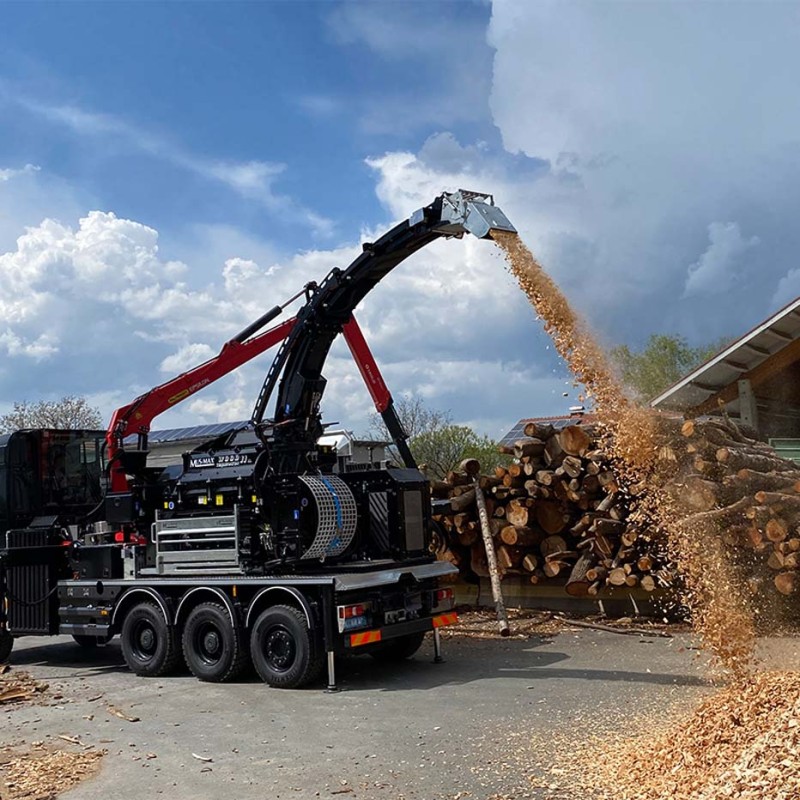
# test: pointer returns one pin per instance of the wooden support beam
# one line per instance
(762, 351)
(779, 335)
(737, 365)
(704, 387)
(747, 404)
(777, 362)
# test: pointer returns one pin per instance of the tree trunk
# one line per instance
(550, 517)
(574, 440)
(519, 536)
(494, 575)
(577, 583)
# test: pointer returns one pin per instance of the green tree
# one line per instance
(67, 413)
(435, 442)
(442, 450)
(663, 361)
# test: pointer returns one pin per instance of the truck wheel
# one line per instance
(400, 648)
(213, 647)
(285, 652)
(149, 645)
(6, 645)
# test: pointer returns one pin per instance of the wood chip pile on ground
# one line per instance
(742, 742)
(17, 686)
(41, 772)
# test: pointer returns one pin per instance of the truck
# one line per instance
(256, 549)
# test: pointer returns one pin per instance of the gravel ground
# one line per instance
(482, 724)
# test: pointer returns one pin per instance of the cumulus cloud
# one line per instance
(95, 304)
(658, 121)
(661, 199)
(187, 357)
(715, 272)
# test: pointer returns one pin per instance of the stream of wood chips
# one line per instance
(742, 742)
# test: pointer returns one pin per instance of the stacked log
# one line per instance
(558, 513)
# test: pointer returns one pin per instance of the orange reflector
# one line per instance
(445, 619)
(367, 637)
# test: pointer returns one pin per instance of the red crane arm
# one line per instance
(135, 418)
(366, 364)
(380, 393)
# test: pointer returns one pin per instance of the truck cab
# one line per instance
(48, 473)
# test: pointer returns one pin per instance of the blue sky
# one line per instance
(170, 170)
(292, 84)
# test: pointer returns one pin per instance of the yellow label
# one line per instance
(203, 501)
(219, 499)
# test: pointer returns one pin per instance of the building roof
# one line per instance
(342, 440)
(518, 431)
(740, 359)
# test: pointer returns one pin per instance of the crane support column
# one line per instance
(378, 390)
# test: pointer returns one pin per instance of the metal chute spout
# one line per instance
(472, 212)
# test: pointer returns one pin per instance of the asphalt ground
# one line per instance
(492, 721)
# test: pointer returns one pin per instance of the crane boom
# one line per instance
(299, 362)
(136, 417)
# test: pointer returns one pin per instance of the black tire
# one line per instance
(6, 645)
(285, 653)
(213, 648)
(149, 644)
(400, 648)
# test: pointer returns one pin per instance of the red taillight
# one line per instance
(443, 594)
(345, 612)
(119, 536)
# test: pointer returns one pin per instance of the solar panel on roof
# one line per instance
(210, 430)
(518, 431)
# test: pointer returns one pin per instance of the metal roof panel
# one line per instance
(739, 357)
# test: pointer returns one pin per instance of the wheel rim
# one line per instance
(280, 649)
(207, 642)
(144, 641)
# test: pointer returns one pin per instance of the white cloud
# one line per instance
(253, 180)
(187, 357)
(787, 290)
(657, 120)
(8, 174)
(716, 271)
(95, 309)
(319, 105)
(38, 349)
(446, 64)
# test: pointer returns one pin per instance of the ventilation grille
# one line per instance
(336, 516)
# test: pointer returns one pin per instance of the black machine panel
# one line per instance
(35, 562)
(393, 511)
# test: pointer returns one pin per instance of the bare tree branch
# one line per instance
(70, 412)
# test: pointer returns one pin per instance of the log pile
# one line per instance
(558, 514)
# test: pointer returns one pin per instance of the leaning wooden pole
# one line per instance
(472, 467)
